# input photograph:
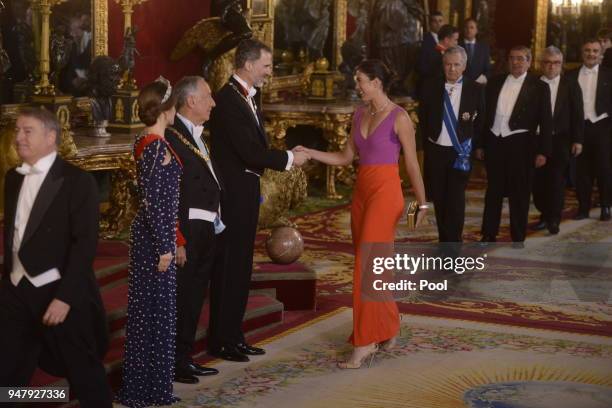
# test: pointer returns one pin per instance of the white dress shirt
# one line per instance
(196, 132)
(32, 181)
(553, 84)
(251, 93)
(435, 36)
(454, 93)
(587, 78)
(505, 105)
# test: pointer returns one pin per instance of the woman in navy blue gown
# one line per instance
(148, 366)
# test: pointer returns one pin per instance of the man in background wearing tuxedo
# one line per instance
(241, 150)
(595, 81)
(51, 312)
(430, 64)
(199, 219)
(478, 53)
(517, 104)
(451, 115)
(430, 39)
(567, 136)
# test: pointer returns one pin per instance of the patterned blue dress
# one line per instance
(148, 367)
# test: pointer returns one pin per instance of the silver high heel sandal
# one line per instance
(349, 365)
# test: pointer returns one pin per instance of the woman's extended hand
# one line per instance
(420, 218)
(164, 262)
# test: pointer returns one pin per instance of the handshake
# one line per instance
(301, 155)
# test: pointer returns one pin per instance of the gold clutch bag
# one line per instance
(411, 214)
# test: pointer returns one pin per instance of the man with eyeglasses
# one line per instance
(517, 104)
(594, 163)
(567, 136)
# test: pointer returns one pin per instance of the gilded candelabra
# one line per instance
(44, 87)
(127, 6)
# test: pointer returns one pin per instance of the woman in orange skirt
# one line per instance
(379, 130)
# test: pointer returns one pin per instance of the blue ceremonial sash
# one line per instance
(463, 150)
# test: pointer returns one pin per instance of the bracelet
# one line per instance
(424, 207)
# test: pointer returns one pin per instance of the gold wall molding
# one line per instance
(99, 14)
(339, 27)
(468, 9)
(539, 31)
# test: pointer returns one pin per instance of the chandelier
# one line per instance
(575, 7)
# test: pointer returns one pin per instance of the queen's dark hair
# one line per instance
(150, 104)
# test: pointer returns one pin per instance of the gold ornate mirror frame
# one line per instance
(99, 15)
(263, 29)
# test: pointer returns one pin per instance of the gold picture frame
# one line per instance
(263, 29)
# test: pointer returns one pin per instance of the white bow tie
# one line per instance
(25, 169)
(589, 71)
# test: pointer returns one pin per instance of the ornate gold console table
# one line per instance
(333, 118)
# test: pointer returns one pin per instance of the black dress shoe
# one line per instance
(229, 353)
(184, 377)
(518, 245)
(553, 228)
(245, 348)
(487, 240)
(605, 214)
(201, 371)
(539, 226)
(581, 216)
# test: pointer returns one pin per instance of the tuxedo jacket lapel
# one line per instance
(523, 96)
(244, 104)
(180, 127)
(48, 190)
(561, 96)
(13, 188)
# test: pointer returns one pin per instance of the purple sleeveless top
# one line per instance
(382, 146)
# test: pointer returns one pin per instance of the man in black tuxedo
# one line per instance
(430, 39)
(241, 150)
(430, 63)
(447, 151)
(605, 38)
(567, 136)
(199, 219)
(478, 52)
(51, 312)
(517, 103)
(595, 81)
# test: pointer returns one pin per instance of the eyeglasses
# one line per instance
(551, 63)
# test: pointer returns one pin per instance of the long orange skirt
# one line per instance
(376, 208)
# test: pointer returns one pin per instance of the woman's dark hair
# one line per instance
(150, 104)
(375, 68)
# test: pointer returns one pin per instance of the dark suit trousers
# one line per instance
(549, 184)
(192, 285)
(240, 215)
(446, 187)
(594, 163)
(26, 343)
(510, 163)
